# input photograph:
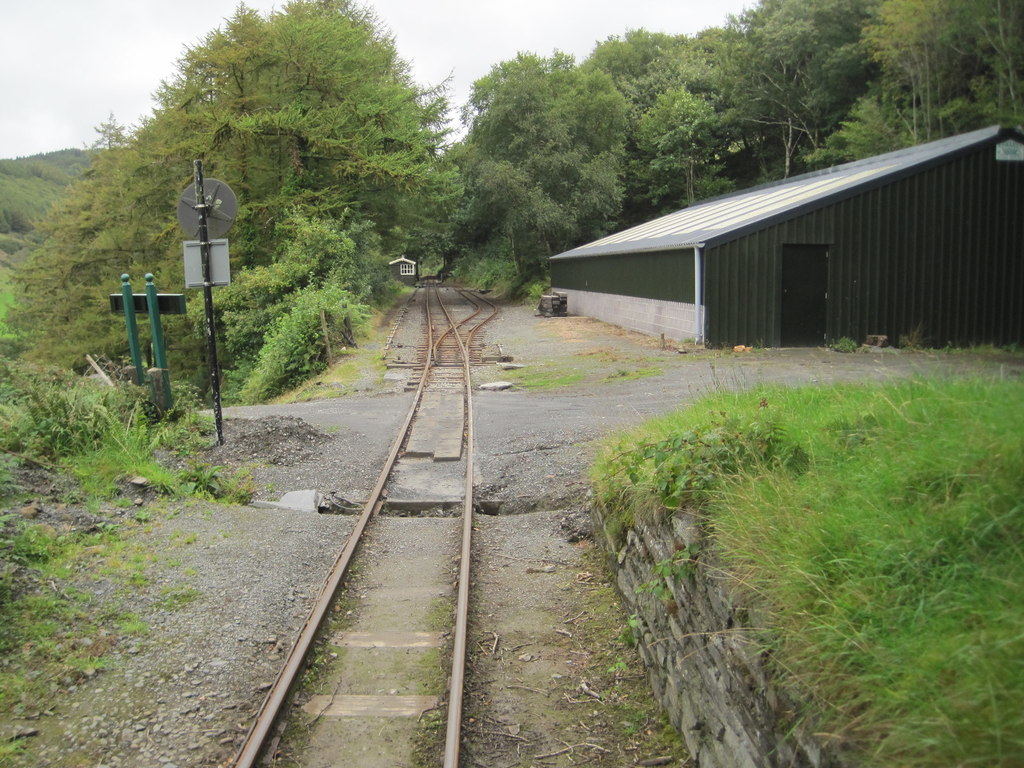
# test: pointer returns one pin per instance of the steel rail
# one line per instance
(454, 327)
(494, 311)
(461, 631)
(259, 733)
(272, 704)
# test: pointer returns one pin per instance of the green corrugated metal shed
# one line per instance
(925, 242)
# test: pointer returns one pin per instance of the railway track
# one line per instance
(437, 431)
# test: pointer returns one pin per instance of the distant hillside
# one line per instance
(28, 187)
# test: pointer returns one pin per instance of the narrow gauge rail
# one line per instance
(446, 360)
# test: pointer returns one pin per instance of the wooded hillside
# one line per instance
(28, 187)
(341, 162)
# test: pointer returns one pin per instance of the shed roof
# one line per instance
(726, 218)
(400, 260)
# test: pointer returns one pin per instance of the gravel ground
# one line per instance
(228, 587)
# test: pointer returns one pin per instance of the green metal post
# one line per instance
(133, 328)
(159, 351)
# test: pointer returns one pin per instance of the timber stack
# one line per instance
(554, 305)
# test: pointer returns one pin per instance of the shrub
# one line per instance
(294, 349)
(845, 344)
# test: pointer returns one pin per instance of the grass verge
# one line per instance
(51, 635)
(882, 529)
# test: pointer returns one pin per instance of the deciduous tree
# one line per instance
(308, 113)
(542, 158)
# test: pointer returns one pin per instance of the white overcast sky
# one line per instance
(65, 65)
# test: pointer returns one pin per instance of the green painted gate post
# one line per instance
(160, 379)
(133, 328)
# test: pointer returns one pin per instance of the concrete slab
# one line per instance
(438, 431)
(422, 479)
(369, 706)
(296, 501)
(387, 640)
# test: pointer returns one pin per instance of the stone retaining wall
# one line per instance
(703, 666)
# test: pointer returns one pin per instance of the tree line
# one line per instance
(341, 162)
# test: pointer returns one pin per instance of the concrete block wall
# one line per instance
(677, 320)
(703, 664)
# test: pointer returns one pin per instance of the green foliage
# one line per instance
(688, 467)
(678, 141)
(6, 300)
(845, 344)
(312, 117)
(201, 479)
(489, 267)
(631, 632)
(682, 565)
(949, 65)
(318, 253)
(891, 563)
(542, 158)
(791, 71)
(50, 414)
(308, 113)
(30, 185)
(668, 160)
(102, 435)
(7, 486)
(294, 347)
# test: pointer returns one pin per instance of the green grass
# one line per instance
(105, 435)
(626, 374)
(882, 530)
(544, 377)
(597, 365)
(52, 636)
(174, 597)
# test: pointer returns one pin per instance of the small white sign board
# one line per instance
(1010, 152)
(220, 268)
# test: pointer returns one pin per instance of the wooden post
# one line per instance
(99, 371)
(348, 333)
(327, 337)
(160, 388)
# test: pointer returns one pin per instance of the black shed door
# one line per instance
(804, 295)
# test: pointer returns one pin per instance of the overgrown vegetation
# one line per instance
(332, 150)
(29, 186)
(6, 301)
(53, 636)
(882, 529)
(605, 648)
(101, 435)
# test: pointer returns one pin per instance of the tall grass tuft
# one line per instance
(49, 414)
(888, 548)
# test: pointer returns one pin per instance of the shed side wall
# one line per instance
(936, 258)
(661, 275)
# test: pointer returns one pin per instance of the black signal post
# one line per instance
(201, 207)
